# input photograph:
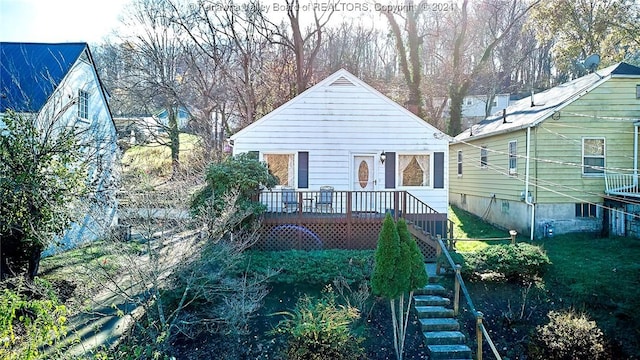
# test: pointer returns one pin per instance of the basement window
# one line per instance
(586, 210)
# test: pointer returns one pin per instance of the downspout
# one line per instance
(635, 153)
(526, 184)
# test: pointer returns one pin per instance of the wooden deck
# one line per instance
(352, 220)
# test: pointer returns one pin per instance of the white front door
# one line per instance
(363, 199)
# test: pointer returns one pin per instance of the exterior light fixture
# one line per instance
(383, 156)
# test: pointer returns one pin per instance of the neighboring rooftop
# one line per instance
(522, 113)
(30, 72)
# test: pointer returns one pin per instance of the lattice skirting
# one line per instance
(317, 236)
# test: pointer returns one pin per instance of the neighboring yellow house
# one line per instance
(563, 160)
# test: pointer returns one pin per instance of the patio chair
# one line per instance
(324, 201)
(289, 200)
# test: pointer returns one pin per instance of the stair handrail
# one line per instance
(480, 328)
(412, 198)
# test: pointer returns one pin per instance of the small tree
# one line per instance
(417, 273)
(42, 177)
(393, 277)
(242, 174)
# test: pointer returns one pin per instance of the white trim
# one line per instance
(604, 157)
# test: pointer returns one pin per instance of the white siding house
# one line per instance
(58, 85)
(337, 134)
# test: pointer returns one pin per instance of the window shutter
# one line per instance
(303, 169)
(438, 171)
(390, 171)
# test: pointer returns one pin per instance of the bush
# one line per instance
(317, 267)
(568, 336)
(458, 259)
(242, 174)
(31, 317)
(320, 329)
(520, 261)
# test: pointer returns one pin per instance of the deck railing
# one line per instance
(352, 219)
(361, 204)
(621, 184)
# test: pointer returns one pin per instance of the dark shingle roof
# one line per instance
(521, 114)
(30, 72)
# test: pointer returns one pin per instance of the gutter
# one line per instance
(526, 184)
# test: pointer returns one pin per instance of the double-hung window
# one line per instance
(83, 104)
(484, 157)
(459, 162)
(513, 157)
(593, 156)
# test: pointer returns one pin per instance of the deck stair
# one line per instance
(440, 328)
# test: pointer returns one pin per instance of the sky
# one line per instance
(58, 20)
(91, 20)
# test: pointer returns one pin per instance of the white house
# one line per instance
(58, 84)
(374, 155)
(474, 108)
(338, 133)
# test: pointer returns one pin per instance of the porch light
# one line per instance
(383, 156)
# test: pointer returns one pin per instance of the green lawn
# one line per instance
(469, 226)
(598, 276)
(154, 160)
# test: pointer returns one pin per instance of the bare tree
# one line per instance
(465, 68)
(153, 53)
(409, 52)
(305, 45)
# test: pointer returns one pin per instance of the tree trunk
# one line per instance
(174, 141)
(34, 261)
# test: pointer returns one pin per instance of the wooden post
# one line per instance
(513, 234)
(438, 253)
(456, 297)
(396, 205)
(349, 216)
(479, 334)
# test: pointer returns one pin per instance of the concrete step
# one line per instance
(430, 300)
(444, 337)
(431, 289)
(433, 312)
(449, 352)
(439, 324)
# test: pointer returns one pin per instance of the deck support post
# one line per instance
(349, 216)
(513, 234)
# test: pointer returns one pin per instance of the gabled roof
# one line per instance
(522, 114)
(30, 72)
(341, 77)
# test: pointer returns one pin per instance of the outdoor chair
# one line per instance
(289, 200)
(324, 201)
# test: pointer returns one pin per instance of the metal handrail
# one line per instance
(476, 314)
